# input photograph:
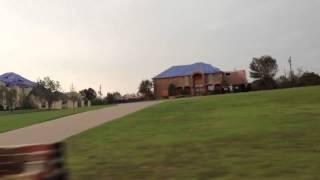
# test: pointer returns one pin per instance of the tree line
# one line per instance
(145, 92)
(49, 91)
(265, 68)
(263, 71)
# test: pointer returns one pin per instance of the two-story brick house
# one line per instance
(197, 79)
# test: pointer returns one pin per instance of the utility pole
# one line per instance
(72, 88)
(100, 91)
(291, 72)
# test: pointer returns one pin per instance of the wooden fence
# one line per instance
(33, 162)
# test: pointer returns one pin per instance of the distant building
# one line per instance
(198, 79)
(22, 86)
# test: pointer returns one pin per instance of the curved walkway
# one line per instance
(59, 129)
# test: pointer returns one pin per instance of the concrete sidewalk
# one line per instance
(59, 129)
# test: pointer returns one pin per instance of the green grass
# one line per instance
(23, 118)
(258, 135)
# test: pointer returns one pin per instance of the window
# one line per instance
(228, 74)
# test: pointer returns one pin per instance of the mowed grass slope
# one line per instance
(19, 119)
(258, 135)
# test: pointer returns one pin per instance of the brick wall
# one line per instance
(236, 77)
(231, 78)
(161, 85)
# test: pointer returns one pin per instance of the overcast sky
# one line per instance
(117, 43)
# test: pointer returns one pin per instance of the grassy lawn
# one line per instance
(19, 119)
(257, 135)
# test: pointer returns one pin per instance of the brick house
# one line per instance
(198, 79)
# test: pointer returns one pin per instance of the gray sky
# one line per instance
(117, 43)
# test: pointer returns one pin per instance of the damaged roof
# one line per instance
(187, 70)
(13, 79)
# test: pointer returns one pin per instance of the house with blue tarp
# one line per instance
(22, 88)
(13, 81)
(198, 79)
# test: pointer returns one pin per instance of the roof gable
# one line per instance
(187, 70)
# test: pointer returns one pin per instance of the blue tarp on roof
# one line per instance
(187, 70)
(13, 79)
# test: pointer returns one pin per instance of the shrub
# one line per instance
(172, 90)
(98, 101)
(310, 79)
(185, 92)
(26, 103)
(266, 84)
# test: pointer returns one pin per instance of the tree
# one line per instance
(310, 79)
(172, 90)
(89, 94)
(284, 82)
(263, 70)
(11, 98)
(110, 98)
(113, 97)
(73, 95)
(2, 95)
(145, 88)
(47, 89)
(8, 97)
(116, 95)
(26, 102)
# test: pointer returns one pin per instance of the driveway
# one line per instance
(62, 128)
